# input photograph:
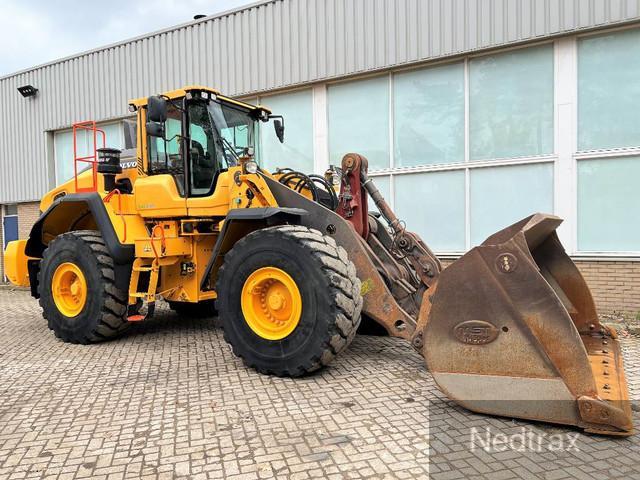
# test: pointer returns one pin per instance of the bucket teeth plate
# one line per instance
(605, 358)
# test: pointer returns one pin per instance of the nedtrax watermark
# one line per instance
(525, 440)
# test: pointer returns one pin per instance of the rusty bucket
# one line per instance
(512, 330)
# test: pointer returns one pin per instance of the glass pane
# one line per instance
(359, 121)
(205, 156)
(608, 205)
(441, 224)
(173, 128)
(609, 90)
(384, 185)
(11, 209)
(511, 104)
(429, 116)
(501, 196)
(297, 150)
(63, 148)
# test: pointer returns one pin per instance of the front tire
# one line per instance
(76, 284)
(309, 278)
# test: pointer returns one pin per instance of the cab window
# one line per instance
(203, 151)
(165, 153)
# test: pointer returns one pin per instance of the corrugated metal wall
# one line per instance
(267, 46)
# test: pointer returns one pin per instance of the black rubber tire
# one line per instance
(331, 300)
(205, 309)
(104, 314)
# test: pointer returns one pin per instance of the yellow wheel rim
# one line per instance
(69, 289)
(271, 303)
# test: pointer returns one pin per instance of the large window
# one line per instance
(608, 205)
(511, 104)
(429, 116)
(608, 197)
(297, 150)
(435, 150)
(63, 147)
(609, 91)
(501, 196)
(359, 121)
(433, 204)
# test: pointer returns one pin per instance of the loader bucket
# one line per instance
(512, 330)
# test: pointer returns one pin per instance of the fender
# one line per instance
(63, 216)
(239, 223)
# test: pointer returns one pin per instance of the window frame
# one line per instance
(467, 165)
(578, 155)
(565, 156)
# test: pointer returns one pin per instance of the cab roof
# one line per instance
(181, 92)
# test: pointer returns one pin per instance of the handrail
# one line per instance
(90, 126)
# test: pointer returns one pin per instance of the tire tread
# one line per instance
(113, 320)
(343, 284)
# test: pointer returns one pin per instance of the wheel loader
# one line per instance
(292, 262)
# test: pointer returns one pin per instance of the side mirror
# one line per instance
(156, 109)
(278, 125)
(155, 129)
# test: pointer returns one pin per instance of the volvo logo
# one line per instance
(476, 332)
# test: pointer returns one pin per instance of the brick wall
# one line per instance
(615, 285)
(28, 213)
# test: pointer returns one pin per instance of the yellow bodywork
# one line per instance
(15, 263)
(155, 219)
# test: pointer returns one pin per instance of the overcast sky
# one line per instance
(37, 31)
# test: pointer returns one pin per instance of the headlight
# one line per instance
(250, 167)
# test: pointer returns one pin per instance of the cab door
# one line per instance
(208, 178)
(162, 193)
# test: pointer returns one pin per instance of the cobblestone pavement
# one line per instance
(169, 400)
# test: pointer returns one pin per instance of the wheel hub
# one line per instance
(69, 289)
(271, 303)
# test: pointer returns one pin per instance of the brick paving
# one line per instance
(169, 400)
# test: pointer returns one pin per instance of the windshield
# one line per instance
(235, 131)
(219, 135)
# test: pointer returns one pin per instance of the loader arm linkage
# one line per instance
(509, 329)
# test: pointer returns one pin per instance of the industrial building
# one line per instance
(490, 109)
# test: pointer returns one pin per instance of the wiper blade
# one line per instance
(230, 147)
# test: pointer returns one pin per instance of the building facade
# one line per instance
(472, 113)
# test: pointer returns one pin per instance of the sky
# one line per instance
(33, 32)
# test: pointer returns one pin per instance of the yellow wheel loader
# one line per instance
(293, 261)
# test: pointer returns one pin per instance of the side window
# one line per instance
(202, 152)
(164, 153)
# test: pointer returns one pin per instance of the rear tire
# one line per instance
(329, 290)
(103, 312)
(204, 309)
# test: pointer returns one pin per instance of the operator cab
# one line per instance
(194, 134)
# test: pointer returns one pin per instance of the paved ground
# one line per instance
(169, 400)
